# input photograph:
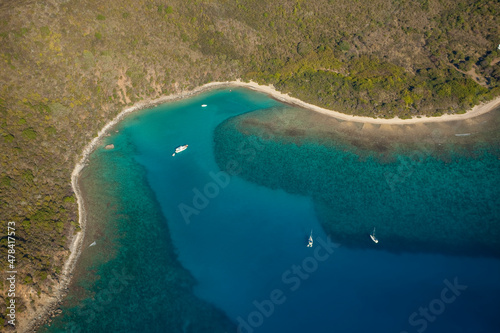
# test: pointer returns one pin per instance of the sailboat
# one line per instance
(179, 149)
(310, 244)
(372, 236)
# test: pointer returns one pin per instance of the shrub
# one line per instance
(28, 279)
(29, 134)
(344, 46)
(6, 181)
(45, 31)
(26, 225)
(8, 138)
(28, 177)
(51, 130)
(59, 226)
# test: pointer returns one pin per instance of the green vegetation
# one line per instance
(45, 31)
(9, 138)
(29, 133)
(5, 182)
(28, 279)
(69, 199)
(69, 67)
(417, 66)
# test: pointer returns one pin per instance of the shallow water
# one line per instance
(420, 199)
(197, 249)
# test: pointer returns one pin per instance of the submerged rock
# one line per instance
(111, 146)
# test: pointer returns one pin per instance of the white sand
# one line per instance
(76, 245)
(475, 111)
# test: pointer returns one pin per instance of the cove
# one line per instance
(239, 259)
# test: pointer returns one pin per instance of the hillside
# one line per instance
(68, 67)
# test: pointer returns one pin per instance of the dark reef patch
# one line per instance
(423, 187)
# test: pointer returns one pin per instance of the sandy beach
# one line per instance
(475, 111)
(48, 305)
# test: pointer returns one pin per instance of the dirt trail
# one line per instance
(473, 75)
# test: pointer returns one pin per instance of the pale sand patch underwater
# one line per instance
(47, 305)
(299, 126)
(475, 111)
(426, 188)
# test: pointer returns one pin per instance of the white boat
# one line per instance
(372, 236)
(203, 105)
(93, 244)
(179, 149)
(310, 244)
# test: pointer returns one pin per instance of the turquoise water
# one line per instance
(418, 200)
(185, 247)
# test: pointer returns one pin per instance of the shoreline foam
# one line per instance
(40, 316)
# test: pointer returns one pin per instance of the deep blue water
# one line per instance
(240, 246)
